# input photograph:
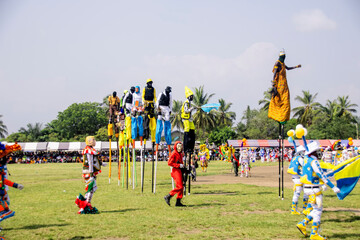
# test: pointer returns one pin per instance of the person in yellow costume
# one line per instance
(204, 157)
(149, 100)
(279, 108)
(189, 127)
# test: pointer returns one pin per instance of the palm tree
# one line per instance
(305, 113)
(266, 100)
(346, 108)
(3, 128)
(175, 117)
(33, 132)
(331, 109)
(203, 120)
(224, 117)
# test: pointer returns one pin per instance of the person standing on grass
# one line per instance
(177, 164)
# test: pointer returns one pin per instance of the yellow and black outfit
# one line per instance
(189, 127)
(279, 108)
(149, 99)
(114, 103)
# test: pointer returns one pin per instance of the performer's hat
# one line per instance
(300, 148)
(282, 52)
(148, 80)
(188, 92)
(312, 147)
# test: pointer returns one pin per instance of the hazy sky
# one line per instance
(55, 53)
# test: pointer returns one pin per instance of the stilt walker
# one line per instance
(114, 108)
(164, 108)
(189, 133)
(149, 99)
(5, 150)
(279, 108)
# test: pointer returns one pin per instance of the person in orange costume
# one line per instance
(177, 164)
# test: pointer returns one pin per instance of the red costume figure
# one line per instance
(5, 212)
(177, 164)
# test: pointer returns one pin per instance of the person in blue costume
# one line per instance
(294, 169)
(164, 108)
(136, 115)
(312, 178)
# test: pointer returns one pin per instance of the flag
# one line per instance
(347, 175)
(208, 107)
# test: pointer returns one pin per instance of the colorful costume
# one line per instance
(91, 168)
(176, 162)
(136, 112)
(294, 169)
(312, 178)
(279, 108)
(164, 106)
(204, 157)
(245, 163)
(5, 212)
(149, 99)
(189, 127)
(236, 162)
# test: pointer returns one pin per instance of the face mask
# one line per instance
(179, 147)
(282, 58)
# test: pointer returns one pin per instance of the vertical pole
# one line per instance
(279, 158)
(127, 165)
(134, 161)
(156, 161)
(124, 162)
(109, 160)
(282, 161)
(189, 165)
(118, 157)
(152, 173)
(143, 167)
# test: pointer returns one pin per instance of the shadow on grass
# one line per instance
(265, 193)
(345, 236)
(205, 204)
(217, 193)
(349, 219)
(80, 237)
(121, 210)
(37, 226)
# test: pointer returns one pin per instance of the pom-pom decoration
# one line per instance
(291, 133)
(299, 132)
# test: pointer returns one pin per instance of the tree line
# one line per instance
(335, 119)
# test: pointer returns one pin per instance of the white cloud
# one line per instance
(313, 20)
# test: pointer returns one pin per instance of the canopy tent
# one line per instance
(275, 143)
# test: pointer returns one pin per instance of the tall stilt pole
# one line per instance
(127, 165)
(142, 165)
(109, 160)
(153, 161)
(134, 162)
(119, 166)
(279, 159)
(124, 163)
(282, 161)
(189, 165)
(156, 161)
(118, 155)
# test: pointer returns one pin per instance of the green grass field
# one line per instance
(45, 209)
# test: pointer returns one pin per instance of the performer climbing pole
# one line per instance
(149, 100)
(164, 108)
(189, 134)
(279, 108)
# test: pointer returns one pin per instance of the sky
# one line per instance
(56, 53)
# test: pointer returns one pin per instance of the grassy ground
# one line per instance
(45, 209)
